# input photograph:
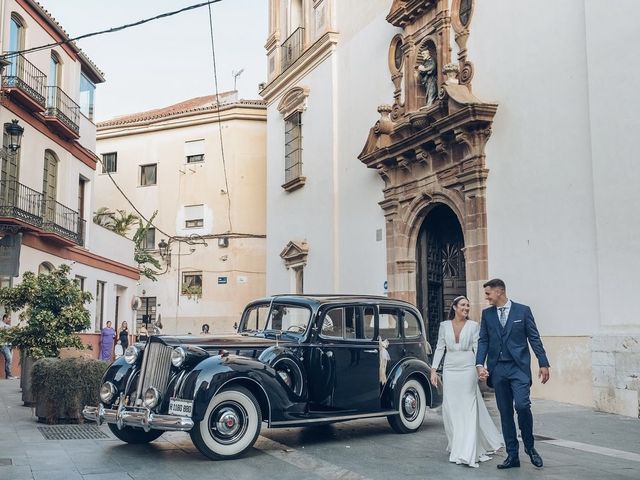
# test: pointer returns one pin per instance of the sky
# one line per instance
(168, 60)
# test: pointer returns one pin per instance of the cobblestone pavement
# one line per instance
(575, 442)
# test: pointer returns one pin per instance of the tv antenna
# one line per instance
(235, 76)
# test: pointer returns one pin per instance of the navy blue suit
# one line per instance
(506, 351)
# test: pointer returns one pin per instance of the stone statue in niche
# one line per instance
(428, 76)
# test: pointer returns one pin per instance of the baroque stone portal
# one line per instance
(429, 148)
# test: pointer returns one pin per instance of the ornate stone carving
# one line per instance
(384, 125)
(451, 71)
(294, 100)
(295, 253)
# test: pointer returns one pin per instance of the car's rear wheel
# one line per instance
(133, 434)
(230, 425)
(411, 409)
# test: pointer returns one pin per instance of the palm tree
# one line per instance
(123, 221)
(119, 221)
(104, 217)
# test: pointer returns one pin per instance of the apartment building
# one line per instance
(48, 164)
(200, 164)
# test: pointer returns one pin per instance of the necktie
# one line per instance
(503, 317)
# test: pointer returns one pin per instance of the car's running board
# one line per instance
(331, 419)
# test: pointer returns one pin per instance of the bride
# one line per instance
(470, 431)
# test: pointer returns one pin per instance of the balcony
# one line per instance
(292, 48)
(62, 114)
(20, 204)
(63, 222)
(25, 84)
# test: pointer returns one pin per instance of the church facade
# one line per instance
(419, 148)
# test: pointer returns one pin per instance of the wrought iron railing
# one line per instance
(61, 106)
(292, 48)
(63, 221)
(24, 75)
(20, 202)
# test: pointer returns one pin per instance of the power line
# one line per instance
(215, 79)
(131, 203)
(113, 29)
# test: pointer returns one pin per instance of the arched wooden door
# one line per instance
(441, 273)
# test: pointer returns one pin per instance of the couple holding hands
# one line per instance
(502, 339)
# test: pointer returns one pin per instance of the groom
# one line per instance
(505, 329)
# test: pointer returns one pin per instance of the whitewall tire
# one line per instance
(230, 425)
(411, 409)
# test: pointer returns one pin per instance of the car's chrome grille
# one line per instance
(156, 366)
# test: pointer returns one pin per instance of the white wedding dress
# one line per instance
(470, 431)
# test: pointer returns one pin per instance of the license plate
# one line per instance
(182, 408)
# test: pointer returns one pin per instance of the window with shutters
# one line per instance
(194, 216)
(194, 151)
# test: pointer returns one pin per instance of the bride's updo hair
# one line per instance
(456, 301)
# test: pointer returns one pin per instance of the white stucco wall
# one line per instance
(361, 57)
(613, 72)
(540, 209)
(337, 210)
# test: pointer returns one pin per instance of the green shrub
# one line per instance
(63, 387)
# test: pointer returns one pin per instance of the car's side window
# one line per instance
(350, 323)
(333, 323)
(411, 325)
(369, 321)
(388, 324)
(340, 323)
(256, 318)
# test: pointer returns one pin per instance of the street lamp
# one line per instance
(163, 248)
(14, 135)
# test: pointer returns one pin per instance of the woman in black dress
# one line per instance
(123, 336)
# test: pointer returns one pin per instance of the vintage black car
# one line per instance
(295, 361)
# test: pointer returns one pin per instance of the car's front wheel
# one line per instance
(411, 409)
(134, 435)
(230, 425)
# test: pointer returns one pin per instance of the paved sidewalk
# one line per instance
(575, 442)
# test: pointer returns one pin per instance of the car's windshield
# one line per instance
(286, 318)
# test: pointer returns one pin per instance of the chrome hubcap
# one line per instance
(411, 404)
(228, 423)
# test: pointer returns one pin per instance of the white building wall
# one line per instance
(361, 57)
(337, 210)
(561, 191)
(613, 72)
(540, 191)
(306, 213)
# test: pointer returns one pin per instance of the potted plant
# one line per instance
(52, 312)
(62, 387)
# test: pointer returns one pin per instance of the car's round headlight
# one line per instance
(131, 354)
(178, 356)
(151, 397)
(107, 392)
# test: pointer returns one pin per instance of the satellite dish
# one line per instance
(136, 303)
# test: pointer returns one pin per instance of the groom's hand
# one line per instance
(543, 374)
(483, 373)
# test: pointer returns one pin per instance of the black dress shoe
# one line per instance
(536, 459)
(510, 462)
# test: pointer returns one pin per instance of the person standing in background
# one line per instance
(123, 335)
(107, 340)
(5, 349)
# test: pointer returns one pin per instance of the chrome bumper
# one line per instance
(136, 417)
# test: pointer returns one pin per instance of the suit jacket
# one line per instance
(519, 331)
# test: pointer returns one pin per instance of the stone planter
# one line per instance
(26, 365)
